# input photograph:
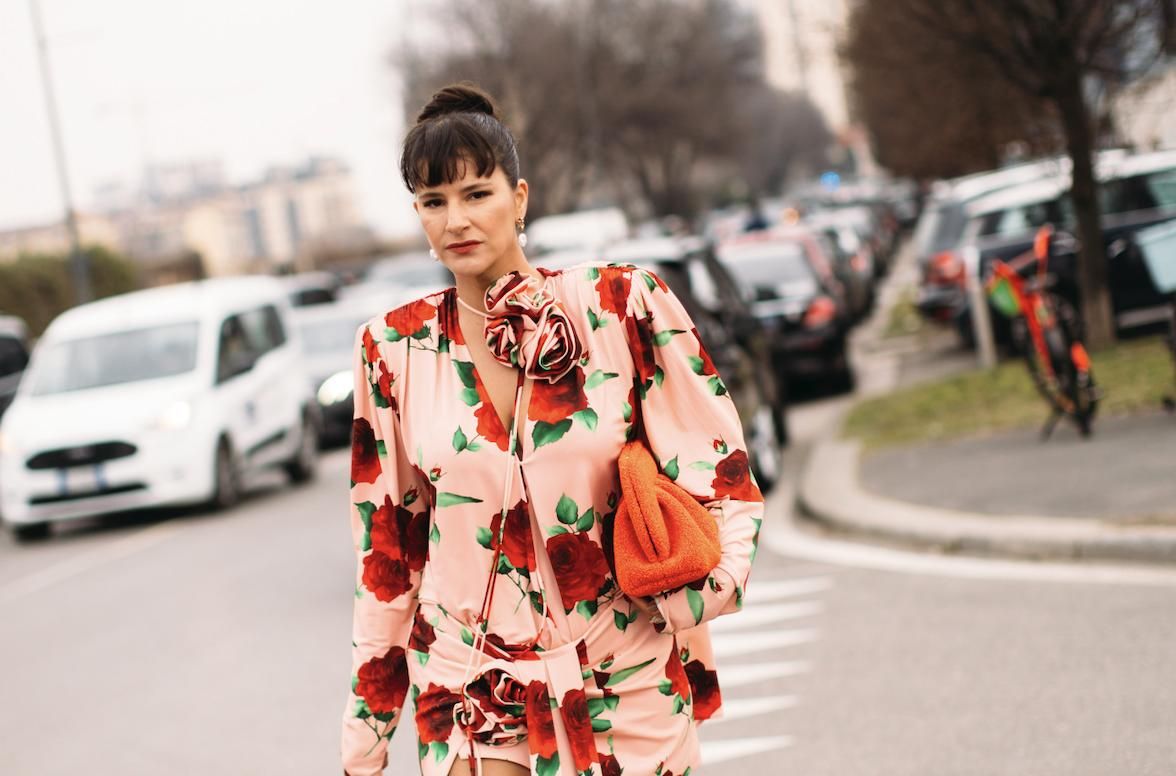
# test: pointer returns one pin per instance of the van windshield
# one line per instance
(111, 359)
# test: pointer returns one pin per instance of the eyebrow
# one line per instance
(464, 190)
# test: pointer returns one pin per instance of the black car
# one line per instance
(731, 335)
(796, 298)
(14, 357)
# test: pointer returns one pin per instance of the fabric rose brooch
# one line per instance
(529, 329)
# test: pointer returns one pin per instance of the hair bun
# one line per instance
(462, 97)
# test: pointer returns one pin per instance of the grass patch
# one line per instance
(1134, 376)
(904, 317)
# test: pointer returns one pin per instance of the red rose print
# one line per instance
(408, 319)
(489, 424)
(422, 633)
(517, 543)
(708, 366)
(501, 698)
(434, 715)
(608, 764)
(704, 687)
(578, 723)
(613, 288)
(639, 331)
(540, 723)
(386, 578)
(416, 546)
(385, 385)
(447, 320)
(579, 567)
(365, 461)
(677, 675)
(383, 682)
(553, 402)
(733, 478)
(370, 349)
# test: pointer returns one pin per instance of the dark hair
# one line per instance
(459, 124)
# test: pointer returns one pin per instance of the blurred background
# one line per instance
(930, 245)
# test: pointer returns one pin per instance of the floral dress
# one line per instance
(551, 666)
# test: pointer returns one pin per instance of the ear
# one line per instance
(416, 206)
(521, 194)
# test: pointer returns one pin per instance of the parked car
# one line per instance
(311, 288)
(14, 357)
(853, 260)
(400, 278)
(796, 299)
(730, 334)
(327, 336)
(166, 396)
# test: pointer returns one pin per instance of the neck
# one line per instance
(471, 289)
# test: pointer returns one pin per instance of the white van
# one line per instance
(165, 396)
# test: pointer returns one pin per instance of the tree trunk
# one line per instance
(1092, 265)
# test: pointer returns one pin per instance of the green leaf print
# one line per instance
(587, 417)
(446, 499)
(556, 530)
(421, 333)
(442, 343)
(381, 448)
(435, 534)
(422, 750)
(459, 440)
(379, 399)
(469, 397)
(626, 412)
(650, 283)
(622, 623)
(665, 686)
(545, 433)
(696, 364)
(391, 335)
(601, 725)
(354, 682)
(597, 706)
(599, 377)
(619, 676)
(504, 565)
(467, 636)
(694, 598)
(484, 536)
(361, 709)
(593, 273)
(366, 509)
(594, 322)
(440, 750)
(679, 704)
(536, 601)
(474, 447)
(566, 510)
(659, 376)
(702, 466)
(586, 521)
(663, 337)
(465, 371)
(545, 767)
(422, 657)
(671, 468)
(716, 386)
(587, 609)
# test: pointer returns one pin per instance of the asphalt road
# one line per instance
(218, 644)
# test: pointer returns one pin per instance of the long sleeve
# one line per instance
(389, 512)
(696, 436)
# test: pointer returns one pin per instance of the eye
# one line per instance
(479, 194)
(432, 203)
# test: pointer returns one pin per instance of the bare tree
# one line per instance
(782, 135)
(1055, 50)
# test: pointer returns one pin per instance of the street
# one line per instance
(199, 644)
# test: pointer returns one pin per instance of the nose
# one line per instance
(456, 218)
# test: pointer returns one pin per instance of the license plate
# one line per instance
(80, 479)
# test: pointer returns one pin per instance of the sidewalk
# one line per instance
(1110, 498)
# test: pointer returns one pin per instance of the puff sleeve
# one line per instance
(389, 516)
(694, 432)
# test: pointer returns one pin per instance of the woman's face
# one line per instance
(470, 222)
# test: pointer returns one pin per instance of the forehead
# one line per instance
(465, 176)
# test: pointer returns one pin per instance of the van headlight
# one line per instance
(175, 416)
(6, 445)
(335, 389)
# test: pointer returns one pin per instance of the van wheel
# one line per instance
(29, 532)
(302, 466)
(227, 475)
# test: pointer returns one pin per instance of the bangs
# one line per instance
(438, 152)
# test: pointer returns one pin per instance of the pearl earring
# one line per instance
(520, 224)
(433, 254)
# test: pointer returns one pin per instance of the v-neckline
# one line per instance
(521, 384)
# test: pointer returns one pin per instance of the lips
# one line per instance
(462, 245)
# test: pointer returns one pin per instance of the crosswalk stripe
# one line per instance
(775, 589)
(753, 615)
(730, 644)
(744, 673)
(741, 708)
(733, 748)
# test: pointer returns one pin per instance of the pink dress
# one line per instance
(568, 676)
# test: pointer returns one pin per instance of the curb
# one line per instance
(830, 495)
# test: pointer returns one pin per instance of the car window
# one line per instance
(13, 356)
(770, 264)
(1126, 195)
(1017, 220)
(263, 329)
(1162, 186)
(112, 359)
(233, 348)
(330, 335)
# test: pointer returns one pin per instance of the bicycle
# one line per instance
(1048, 331)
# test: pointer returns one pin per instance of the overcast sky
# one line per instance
(250, 82)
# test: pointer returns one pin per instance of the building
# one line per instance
(93, 229)
(1145, 109)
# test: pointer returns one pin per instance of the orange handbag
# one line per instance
(662, 537)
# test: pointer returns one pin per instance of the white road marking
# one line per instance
(79, 564)
(741, 708)
(741, 673)
(731, 644)
(733, 748)
(784, 540)
(775, 589)
(753, 615)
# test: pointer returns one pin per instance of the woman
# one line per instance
(488, 420)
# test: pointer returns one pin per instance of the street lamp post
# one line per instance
(78, 263)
